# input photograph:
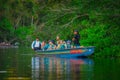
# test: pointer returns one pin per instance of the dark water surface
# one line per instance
(23, 64)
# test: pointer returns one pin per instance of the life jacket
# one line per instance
(62, 46)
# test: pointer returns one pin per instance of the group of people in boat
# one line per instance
(58, 44)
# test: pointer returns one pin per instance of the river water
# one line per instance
(24, 64)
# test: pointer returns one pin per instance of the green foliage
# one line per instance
(24, 34)
(6, 29)
(96, 21)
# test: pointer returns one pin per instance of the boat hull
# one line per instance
(75, 52)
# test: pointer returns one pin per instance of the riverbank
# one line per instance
(7, 45)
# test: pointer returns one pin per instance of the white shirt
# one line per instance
(37, 44)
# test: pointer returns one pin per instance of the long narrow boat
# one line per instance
(73, 52)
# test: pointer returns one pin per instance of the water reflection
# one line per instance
(16, 66)
(52, 68)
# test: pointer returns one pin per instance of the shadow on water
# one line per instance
(52, 68)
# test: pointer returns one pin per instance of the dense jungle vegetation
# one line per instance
(97, 22)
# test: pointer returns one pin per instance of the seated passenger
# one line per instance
(58, 40)
(36, 45)
(65, 44)
(68, 43)
(60, 45)
(44, 45)
(51, 46)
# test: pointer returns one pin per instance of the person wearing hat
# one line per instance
(51, 45)
(75, 39)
